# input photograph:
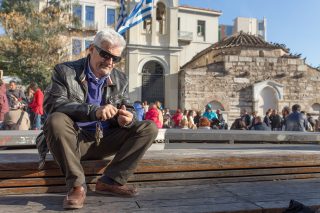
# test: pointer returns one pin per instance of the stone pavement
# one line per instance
(267, 196)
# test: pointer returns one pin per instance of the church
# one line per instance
(245, 72)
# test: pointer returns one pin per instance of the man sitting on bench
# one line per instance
(90, 118)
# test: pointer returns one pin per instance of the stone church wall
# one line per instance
(230, 80)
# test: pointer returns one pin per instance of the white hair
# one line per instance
(111, 37)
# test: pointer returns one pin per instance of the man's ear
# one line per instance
(91, 49)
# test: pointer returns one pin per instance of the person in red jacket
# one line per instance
(177, 117)
(36, 105)
(153, 115)
(4, 105)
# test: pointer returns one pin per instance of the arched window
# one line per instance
(153, 82)
(161, 17)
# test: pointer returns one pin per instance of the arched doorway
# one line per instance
(267, 99)
(153, 82)
(266, 94)
(216, 105)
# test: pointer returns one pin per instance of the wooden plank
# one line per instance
(177, 174)
(10, 166)
(233, 162)
(196, 162)
(223, 174)
(61, 188)
(52, 182)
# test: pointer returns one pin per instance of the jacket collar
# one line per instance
(81, 74)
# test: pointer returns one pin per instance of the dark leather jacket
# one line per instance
(68, 92)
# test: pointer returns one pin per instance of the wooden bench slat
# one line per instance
(62, 188)
(45, 180)
(178, 163)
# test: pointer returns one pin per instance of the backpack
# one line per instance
(14, 126)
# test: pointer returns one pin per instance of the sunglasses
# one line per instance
(107, 55)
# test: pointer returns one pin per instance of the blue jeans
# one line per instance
(36, 122)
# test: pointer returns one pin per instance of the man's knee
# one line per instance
(57, 121)
(149, 127)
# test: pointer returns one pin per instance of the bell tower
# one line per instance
(152, 57)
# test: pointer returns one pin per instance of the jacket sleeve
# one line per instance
(58, 99)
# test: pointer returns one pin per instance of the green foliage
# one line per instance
(35, 39)
(21, 6)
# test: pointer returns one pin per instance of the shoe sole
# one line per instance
(115, 194)
(73, 206)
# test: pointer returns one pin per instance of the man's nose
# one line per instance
(108, 60)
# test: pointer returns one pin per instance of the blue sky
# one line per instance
(295, 23)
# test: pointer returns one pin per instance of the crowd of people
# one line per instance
(20, 110)
(23, 110)
(186, 119)
(290, 119)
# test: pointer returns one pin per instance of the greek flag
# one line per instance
(140, 12)
(122, 15)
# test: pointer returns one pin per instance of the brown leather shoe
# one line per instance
(75, 198)
(116, 189)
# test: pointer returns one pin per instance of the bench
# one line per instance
(176, 164)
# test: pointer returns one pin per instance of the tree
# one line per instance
(35, 40)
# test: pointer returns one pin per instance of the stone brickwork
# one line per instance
(218, 76)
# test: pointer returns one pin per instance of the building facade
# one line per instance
(157, 48)
(251, 26)
(245, 72)
(93, 15)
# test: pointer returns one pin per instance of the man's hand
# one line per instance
(125, 117)
(106, 112)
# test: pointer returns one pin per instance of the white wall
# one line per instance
(189, 22)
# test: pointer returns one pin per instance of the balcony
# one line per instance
(85, 26)
(185, 36)
(90, 25)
